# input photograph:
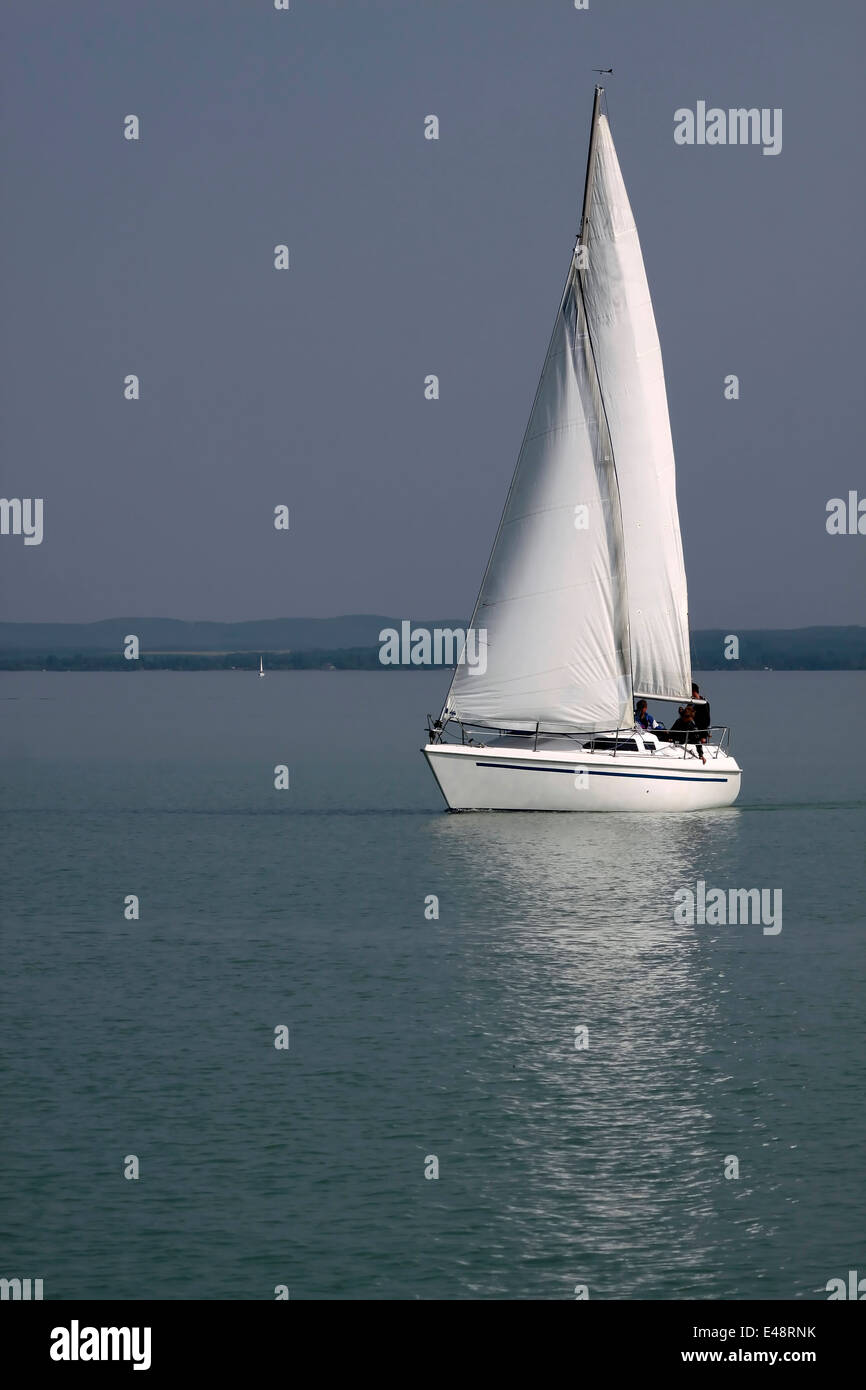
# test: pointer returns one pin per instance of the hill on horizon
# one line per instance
(179, 635)
(353, 641)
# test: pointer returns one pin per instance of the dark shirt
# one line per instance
(702, 715)
(687, 730)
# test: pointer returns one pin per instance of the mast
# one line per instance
(581, 280)
(590, 160)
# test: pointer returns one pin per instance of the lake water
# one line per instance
(410, 1037)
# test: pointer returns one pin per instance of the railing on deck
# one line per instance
(714, 742)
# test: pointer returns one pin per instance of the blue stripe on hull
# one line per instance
(602, 772)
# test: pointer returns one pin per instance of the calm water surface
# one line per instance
(411, 1037)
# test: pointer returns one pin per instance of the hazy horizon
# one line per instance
(418, 616)
(391, 616)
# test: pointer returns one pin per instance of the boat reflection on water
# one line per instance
(609, 1157)
(580, 879)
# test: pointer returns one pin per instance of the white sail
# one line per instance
(552, 600)
(629, 362)
(579, 621)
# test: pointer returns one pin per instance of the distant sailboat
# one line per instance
(584, 597)
(261, 668)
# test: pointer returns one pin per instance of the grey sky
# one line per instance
(410, 257)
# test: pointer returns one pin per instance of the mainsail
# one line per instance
(584, 596)
(629, 362)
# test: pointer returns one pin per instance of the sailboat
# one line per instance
(261, 667)
(583, 607)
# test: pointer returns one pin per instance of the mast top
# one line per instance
(599, 90)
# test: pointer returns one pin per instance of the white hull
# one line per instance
(520, 779)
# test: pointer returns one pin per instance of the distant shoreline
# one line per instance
(365, 660)
(351, 643)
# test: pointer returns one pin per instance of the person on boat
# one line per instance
(684, 730)
(702, 712)
(643, 719)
